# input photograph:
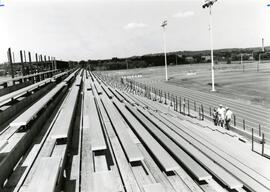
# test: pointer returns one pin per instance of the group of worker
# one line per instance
(222, 116)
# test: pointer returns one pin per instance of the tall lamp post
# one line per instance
(209, 4)
(163, 25)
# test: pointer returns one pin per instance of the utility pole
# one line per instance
(209, 4)
(261, 52)
(163, 25)
(242, 62)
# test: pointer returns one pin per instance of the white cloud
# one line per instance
(135, 25)
(183, 14)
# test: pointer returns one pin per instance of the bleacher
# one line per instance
(88, 134)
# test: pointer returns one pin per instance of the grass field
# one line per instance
(240, 82)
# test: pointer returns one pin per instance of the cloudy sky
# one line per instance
(99, 29)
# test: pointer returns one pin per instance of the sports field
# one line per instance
(244, 83)
(243, 88)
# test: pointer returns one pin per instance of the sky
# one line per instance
(102, 29)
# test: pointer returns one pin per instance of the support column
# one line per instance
(22, 63)
(10, 62)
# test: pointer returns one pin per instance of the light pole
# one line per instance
(209, 4)
(163, 25)
(242, 62)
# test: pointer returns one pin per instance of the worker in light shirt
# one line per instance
(221, 115)
(228, 118)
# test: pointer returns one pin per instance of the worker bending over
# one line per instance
(215, 117)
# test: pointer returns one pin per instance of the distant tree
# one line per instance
(82, 63)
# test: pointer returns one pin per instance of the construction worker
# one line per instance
(215, 117)
(221, 115)
(228, 117)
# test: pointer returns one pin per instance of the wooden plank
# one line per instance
(161, 155)
(31, 155)
(153, 170)
(70, 76)
(27, 76)
(133, 137)
(15, 94)
(5, 107)
(12, 142)
(157, 187)
(31, 112)
(78, 80)
(98, 88)
(212, 185)
(46, 175)
(121, 129)
(104, 181)
(107, 91)
(93, 123)
(141, 176)
(117, 95)
(179, 154)
(214, 147)
(87, 166)
(3, 144)
(127, 98)
(87, 85)
(170, 183)
(191, 147)
(178, 184)
(60, 75)
(100, 163)
(59, 151)
(127, 175)
(62, 125)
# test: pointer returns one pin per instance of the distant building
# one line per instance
(246, 56)
(190, 59)
(2, 72)
(206, 57)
